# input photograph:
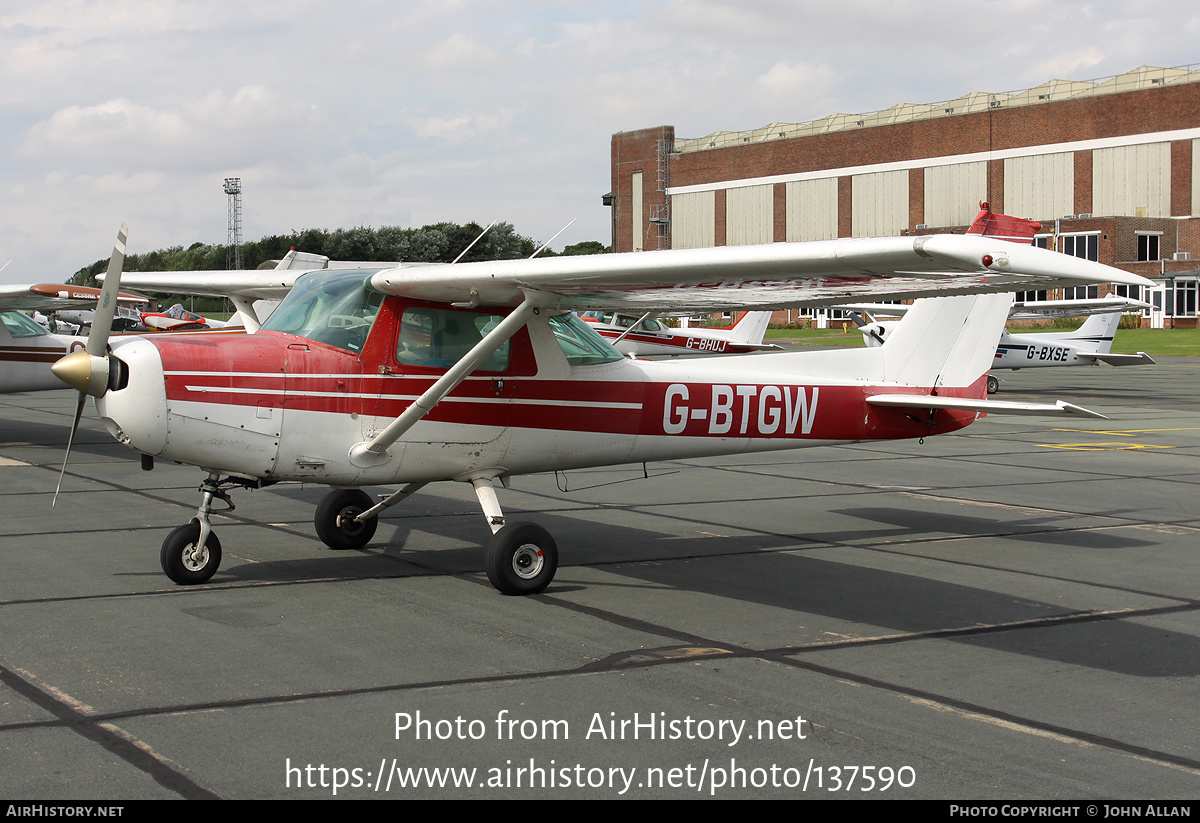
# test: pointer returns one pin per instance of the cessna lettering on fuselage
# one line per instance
(753, 410)
(480, 372)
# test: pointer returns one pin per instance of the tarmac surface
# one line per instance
(1011, 612)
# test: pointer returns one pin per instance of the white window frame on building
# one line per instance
(1149, 246)
(1182, 296)
(1085, 244)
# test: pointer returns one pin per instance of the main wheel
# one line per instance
(335, 521)
(186, 563)
(993, 384)
(521, 558)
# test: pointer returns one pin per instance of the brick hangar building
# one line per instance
(1110, 167)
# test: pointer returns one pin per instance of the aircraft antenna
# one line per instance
(473, 242)
(233, 238)
(542, 247)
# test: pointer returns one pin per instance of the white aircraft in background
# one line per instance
(27, 349)
(1088, 345)
(476, 372)
(647, 336)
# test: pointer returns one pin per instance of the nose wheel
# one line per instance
(187, 562)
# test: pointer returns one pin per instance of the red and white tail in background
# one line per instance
(750, 328)
(1003, 227)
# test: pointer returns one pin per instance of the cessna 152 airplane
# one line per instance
(646, 335)
(27, 349)
(479, 371)
(1088, 345)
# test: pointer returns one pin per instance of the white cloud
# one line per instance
(251, 126)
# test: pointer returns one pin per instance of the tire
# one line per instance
(332, 519)
(183, 563)
(521, 558)
(993, 384)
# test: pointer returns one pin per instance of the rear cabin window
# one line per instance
(439, 338)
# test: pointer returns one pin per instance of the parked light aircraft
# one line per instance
(177, 318)
(646, 336)
(27, 349)
(479, 371)
(1088, 345)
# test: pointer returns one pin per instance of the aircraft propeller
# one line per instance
(87, 370)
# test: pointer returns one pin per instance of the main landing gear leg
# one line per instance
(346, 518)
(521, 558)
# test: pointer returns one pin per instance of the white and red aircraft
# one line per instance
(177, 318)
(477, 372)
(27, 349)
(646, 336)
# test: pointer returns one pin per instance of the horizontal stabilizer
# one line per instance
(926, 401)
(1139, 359)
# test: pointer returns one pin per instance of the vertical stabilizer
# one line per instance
(751, 327)
(1097, 333)
(946, 341)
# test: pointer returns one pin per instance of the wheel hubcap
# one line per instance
(195, 558)
(527, 561)
(347, 523)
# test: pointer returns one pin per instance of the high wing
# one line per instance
(772, 276)
(1031, 309)
(56, 297)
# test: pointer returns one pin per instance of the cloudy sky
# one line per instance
(410, 112)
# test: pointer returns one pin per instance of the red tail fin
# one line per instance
(1003, 227)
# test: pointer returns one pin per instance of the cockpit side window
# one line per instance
(439, 338)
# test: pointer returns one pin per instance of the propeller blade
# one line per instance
(87, 370)
(70, 440)
(106, 306)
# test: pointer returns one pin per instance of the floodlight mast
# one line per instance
(233, 239)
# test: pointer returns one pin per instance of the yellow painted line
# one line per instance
(1131, 432)
(1101, 447)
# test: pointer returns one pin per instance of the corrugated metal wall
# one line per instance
(953, 193)
(693, 220)
(1040, 187)
(812, 209)
(880, 204)
(749, 215)
(1132, 180)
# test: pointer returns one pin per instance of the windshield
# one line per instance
(580, 343)
(335, 308)
(21, 325)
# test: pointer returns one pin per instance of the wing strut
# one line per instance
(373, 452)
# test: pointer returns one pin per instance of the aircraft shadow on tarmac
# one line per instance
(777, 571)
